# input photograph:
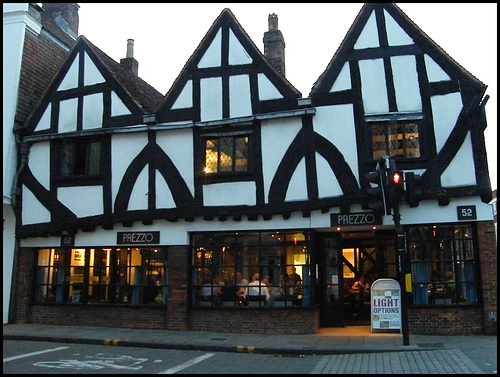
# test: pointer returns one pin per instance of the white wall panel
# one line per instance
(369, 35)
(240, 103)
(405, 77)
(276, 138)
(212, 57)
(267, 90)
(343, 80)
(93, 108)
(395, 35)
(185, 98)
(68, 115)
(237, 53)
(328, 184)
(70, 81)
(139, 195)
(445, 109)
(164, 198)
(178, 145)
(434, 72)
(373, 86)
(231, 193)
(461, 171)
(211, 99)
(124, 148)
(44, 123)
(33, 211)
(82, 200)
(117, 106)
(39, 163)
(91, 73)
(297, 189)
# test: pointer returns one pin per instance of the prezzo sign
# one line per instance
(355, 218)
(385, 305)
(138, 238)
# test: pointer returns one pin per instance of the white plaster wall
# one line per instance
(240, 103)
(68, 111)
(212, 57)
(178, 145)
(369, 35)
(124, 148)
(276, 137)
(395, 35)
(82, 200)
(336, 124)
(445, 109)
(229, 194)
(297, 188)
(404, 70)
(93, 108)
(117, 106)
(328, 184)
(70, 81)
(140, 192)
(237, 53)
(33, 212)
(44, 122)
(164, 198)
(39, 163)
(461, 171)
(185, 98)
(91, 75)
(343, 80)
(434, 72)
(267, 90)
(211, 98)
(373, 86)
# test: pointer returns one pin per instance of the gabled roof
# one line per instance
(227, 53)
(73, 80)
(420, 40)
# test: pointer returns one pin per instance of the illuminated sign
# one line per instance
(355, 218)
(140, 238)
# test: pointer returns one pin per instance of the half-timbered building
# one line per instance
(144, 210)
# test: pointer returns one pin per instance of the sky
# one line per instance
(166, 35)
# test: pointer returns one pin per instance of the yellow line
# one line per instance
(240, 348)
(251, 349)
(107, 341)
(111, 342)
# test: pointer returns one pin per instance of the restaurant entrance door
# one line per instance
(344, 257)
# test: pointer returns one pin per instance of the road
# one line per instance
(35, 357)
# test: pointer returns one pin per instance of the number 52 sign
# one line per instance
(466, 212)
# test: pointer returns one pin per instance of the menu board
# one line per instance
(386, 305)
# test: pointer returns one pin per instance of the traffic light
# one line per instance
(412, 193)
(376, 190)
(395, 185)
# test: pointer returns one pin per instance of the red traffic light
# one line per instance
(396, 178)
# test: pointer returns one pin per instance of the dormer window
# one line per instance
(395, 136)
(226, 154)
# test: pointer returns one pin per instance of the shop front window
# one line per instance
(443, 265)
(102, 275)
(266, 269)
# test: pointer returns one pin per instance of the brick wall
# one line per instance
(255, 320)
(488, 263)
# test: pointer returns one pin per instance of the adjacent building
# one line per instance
(144, 210)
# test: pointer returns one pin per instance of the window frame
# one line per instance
(79, 276)
(399, 119)
(428, 291)
(250, 257)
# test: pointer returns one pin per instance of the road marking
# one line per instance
(32, 354)
(187, 364)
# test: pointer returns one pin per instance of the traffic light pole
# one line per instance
(402, 258)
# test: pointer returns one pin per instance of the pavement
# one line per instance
(479, 349)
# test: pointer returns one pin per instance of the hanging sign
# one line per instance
(386, 305)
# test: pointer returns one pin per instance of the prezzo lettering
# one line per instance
(138, 237)
(362, 218)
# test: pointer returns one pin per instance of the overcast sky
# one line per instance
(166, 34)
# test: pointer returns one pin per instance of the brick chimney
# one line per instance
(274, 45)
(65, 15)
(129, 62)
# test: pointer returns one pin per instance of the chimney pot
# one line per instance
(130, 48)
(129, 62)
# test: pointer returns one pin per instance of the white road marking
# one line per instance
(187, 364)
(33, 354)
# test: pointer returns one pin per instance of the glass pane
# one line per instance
(378, 141)
(211, 156)
(394, 139)
(226, 154)
(67, 158)
(94, 158)
(241, 162)
(412, 145)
